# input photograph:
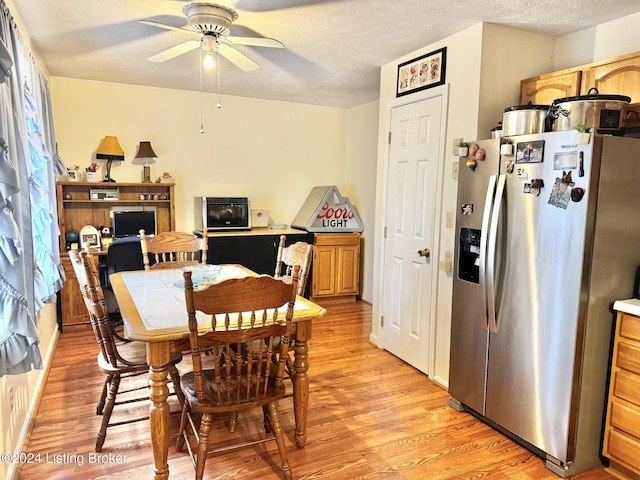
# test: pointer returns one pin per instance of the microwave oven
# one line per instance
(222, 213)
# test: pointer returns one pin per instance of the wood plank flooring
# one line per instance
(372, 417)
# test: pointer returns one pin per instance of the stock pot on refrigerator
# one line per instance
(524, 119)
(603, 113)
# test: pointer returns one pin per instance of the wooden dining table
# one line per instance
(153, 310)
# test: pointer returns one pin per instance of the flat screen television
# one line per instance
(126, 221)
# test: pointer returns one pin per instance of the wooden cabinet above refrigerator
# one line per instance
(615, 76)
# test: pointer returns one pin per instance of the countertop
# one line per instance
(253, 231)
(630, 306)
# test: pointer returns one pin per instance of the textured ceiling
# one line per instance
(334, 48)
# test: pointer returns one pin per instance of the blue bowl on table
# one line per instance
(201, 275)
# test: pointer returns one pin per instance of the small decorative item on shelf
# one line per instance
(92, 175)
(105, 236)
(109, 150)
(72, 237)
(463, 149)
(582, 136)
(89, 235)
(506, 148)
(166, 178)
(73, 173)
(145, 156)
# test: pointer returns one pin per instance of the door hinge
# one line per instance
(389, 139)
(382, 320)
(385, 232)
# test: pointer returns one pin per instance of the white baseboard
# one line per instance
(13, 472)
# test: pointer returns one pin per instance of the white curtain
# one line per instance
(30, 270)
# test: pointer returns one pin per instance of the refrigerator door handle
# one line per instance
(486, 216)
(491, 254)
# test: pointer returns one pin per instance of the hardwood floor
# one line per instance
(373, 417)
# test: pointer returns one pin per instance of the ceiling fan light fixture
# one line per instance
(210, 17)
(210, 46)
(209, 61)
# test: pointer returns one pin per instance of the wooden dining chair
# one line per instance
(257, 312)
(300, 253)
(118, 358)
(172, 250)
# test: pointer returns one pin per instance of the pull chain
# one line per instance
(201, 100)
(219, 104)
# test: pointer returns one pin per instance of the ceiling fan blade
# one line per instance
(272, 5)
(255, 42)
(169, 27)
(236, 57)
(175, 51)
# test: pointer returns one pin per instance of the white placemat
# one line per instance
(162, 305)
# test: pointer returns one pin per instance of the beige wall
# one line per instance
(607, 40)
(360, 181)
(273, 152)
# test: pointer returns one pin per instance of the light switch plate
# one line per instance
(450, 220)
(454, 170)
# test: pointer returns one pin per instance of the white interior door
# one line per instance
(411, 245)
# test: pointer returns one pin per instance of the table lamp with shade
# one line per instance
(145, 156)
(110, 150)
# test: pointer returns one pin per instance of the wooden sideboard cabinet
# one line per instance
(336, 267)
(622, 428)
(77, 209)
(74, 311)
(256, 249)
(615, 76)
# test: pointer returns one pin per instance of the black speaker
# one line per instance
(71, 236)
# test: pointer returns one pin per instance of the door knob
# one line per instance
(425, 252)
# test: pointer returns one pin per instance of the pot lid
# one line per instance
(526, 107)
(586, 98)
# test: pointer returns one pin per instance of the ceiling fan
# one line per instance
(212, 22)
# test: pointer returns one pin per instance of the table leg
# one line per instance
(158, 358)
(300, 382)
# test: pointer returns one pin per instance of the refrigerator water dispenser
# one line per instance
(469, 255)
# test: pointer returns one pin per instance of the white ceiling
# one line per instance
(334, 48)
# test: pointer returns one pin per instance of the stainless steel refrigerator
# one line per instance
(548, 238)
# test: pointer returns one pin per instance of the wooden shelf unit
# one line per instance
(81, 210)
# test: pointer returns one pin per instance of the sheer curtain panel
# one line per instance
(30, 269)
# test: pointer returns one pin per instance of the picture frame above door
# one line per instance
(421, 73)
